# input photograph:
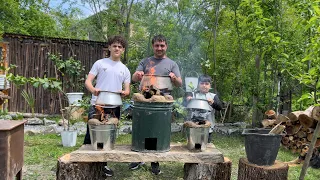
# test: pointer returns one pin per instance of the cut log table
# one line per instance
(85, 162)
(249, 171)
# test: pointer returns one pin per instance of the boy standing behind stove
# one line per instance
(111, 74)
(204, 85)
(161, 65)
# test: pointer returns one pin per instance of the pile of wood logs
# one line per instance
(299, 127)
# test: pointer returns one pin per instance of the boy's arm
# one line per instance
(217, 104)
(126, 91)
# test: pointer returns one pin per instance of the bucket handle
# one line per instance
(190, 73)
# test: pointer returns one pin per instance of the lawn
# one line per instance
(42, 152)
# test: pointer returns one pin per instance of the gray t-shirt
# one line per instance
(110, 75)
(161, 66)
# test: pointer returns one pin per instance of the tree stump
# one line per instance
(219, 171)
(67, 170)
(248, 171)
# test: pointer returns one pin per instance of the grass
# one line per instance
(42, 152)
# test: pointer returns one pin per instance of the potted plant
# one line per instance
(72, 70)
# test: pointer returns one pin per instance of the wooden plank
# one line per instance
(123, 153)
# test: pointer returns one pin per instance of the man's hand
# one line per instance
(177, 81)
(172, 76)
(137, 76)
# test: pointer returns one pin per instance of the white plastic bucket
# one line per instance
(74, 97)
(191, 81)
(69, 138)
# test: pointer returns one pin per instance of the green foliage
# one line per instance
(71, 69)
(29, 99)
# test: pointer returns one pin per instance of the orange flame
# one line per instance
(100, 111)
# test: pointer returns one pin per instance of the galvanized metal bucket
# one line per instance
(103, 137)
(197, 138)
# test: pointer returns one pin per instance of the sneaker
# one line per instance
(135, 165)
(107, 171)
(155, 168)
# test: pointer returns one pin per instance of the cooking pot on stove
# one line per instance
(198, 104)
(159, 81)
(109, 98)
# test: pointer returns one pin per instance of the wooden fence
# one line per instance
(30, 55)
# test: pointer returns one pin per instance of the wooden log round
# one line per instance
(81, 171)
(293, 116)
(285, 140)
(282, 118)
(219, 171)
(248, 171)
(315, 114)
(306, 121)
(271, 114)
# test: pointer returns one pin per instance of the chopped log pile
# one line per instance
(299, 127)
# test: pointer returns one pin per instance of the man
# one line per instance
(111, 74)
(158, 64)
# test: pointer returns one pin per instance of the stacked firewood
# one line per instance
(299, 127)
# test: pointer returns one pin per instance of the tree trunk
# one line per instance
(67, 170)
(248, 171)
(219, 171)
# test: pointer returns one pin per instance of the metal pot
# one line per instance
(109, 98)
(198, 104)
(160, 82)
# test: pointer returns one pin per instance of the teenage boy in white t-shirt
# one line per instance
(110, 74)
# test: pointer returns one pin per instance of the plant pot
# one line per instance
(191, 81)
(74, 98)
(69, 138)
(261, 148)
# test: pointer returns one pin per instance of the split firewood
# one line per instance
(301, 134)
(293, 116)
(309, 136)
(296, 128)
(299, 143)
(192, 124)
(271, 114)
(139, 98)
(94, 121)
(168, 97)
(309, 130)
(268, 122)
(289, 123)
(304, 140)
(285, 140)
(306, 120)
(278, 129)
(114, 121)
(291, 138)
(281, 118)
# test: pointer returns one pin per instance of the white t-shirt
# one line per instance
(110, 75)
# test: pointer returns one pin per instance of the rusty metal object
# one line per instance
(11, 148)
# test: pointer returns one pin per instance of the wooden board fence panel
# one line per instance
(30, 54)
